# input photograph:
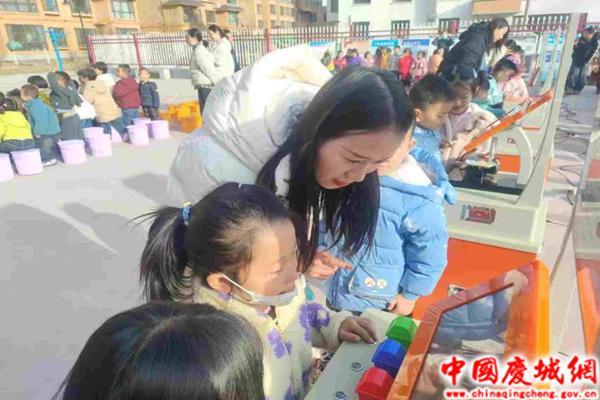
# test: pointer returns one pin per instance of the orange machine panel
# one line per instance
(588, 279)
(520, 312)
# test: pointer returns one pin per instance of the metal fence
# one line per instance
(169, 50)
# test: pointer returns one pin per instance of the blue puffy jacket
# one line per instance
(428, 140)
(409, 253)
(149, 94)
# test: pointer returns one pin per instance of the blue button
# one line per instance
(389, 356)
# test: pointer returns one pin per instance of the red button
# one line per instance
(375, 384)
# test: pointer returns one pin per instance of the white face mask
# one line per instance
(258, 299)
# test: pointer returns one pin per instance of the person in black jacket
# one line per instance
(236, 63)
(444, 41)
(149, 95)
(585, 48)
(474, 42)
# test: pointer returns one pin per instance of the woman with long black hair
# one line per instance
(475, 42)
(202, 66)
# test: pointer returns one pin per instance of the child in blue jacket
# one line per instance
(44, 124)
(410, 246)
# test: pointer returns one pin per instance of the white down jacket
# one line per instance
(247, 116)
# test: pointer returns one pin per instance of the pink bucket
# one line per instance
(138, 135)
(159, 129)
(89, 133)
(115, 136)
(73, 151)
(101, 146)
(28, 162)
(6, 171)
(141, 121)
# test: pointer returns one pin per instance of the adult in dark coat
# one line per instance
(444, 41)
(474, 42)
(584, 50)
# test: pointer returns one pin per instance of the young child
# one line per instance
(65, 98)
(44, 124)
(419, 68)
(108, 114)
(127, 95)
(168, 351)
(432, 99)
(515, 89)
(238, 250)
(502, 72)
(409, 251)
(466, 120)
(404, 66)
(149, 95)
(15, 131)
(102, 75)
(595, 72)
(43, 89)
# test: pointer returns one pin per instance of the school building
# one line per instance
(25, 26)
(402, 15)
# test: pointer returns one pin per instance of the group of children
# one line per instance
(43, 112)
(236, 253)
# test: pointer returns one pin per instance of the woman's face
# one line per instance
(190, 40)
(499, 33)
(346, 160)
(214, 36)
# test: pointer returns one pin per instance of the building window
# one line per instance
(449, 24)
(233, 19)
(334, 6)
(400, 27)
(125, 31)
(259, 8)
(273, 9)
(50, 6)
(61, 37)
(261, 24)
(360, 29)
(27, 37)
(189, 15)
(362, 1)
(19, 6)
(82, 39)
(273, 23)
(82, 6)
(210, 17)
(232, 2)
(123, 9)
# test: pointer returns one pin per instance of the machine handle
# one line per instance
(508, 121)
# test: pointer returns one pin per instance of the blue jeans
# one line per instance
(48, 145)
(577, 77)
(129, 114)
(117, 124)
(86, 123)
(7, 146)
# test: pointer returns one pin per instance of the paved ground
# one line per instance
(69, 256)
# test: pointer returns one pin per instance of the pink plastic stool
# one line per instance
(115, 136)
(160, 129)
(72, 151)
(142, 121)
(92, 132)
(6, 171)
(138, 135)
(28, 162)
(101, 146)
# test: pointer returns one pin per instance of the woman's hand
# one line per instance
(325, 266)
(355, 329)
(401, 306)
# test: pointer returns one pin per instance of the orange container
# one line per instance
(190, 123)
(165, 115)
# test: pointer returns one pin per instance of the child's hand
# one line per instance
(355, 329)
(325, 266)
(401, 306)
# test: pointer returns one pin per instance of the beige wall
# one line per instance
(101, 19)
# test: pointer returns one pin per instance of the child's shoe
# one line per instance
(49, 163)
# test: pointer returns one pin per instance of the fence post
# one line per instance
(138, 54)
(268, 40)
(90, 48)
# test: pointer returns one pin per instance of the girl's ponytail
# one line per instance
(164, 257)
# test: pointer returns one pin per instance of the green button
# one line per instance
(402, 330)
(310, 295)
